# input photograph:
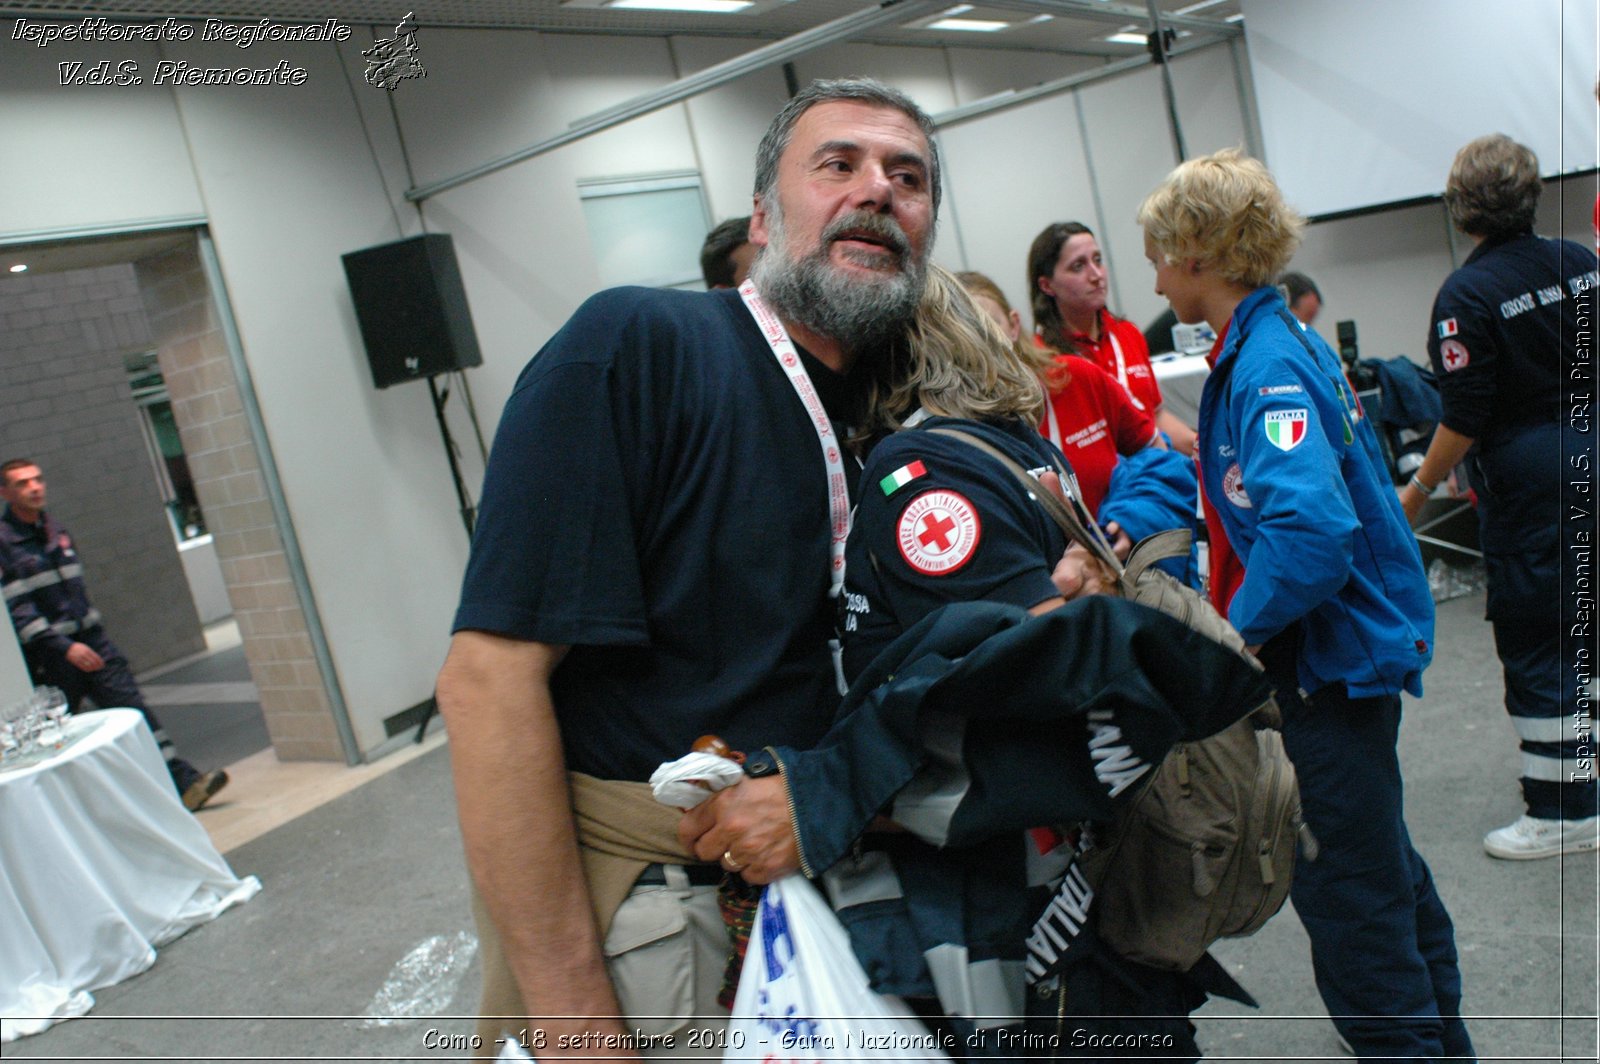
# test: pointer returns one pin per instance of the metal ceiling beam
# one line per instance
(1006, 101)
(1158, 35)
(887, 12)
(1123, 14)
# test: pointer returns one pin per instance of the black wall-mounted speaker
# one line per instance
(412, 308)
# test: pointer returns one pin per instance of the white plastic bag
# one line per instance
(690, 780)
(803, 996)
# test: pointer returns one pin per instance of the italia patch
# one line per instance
(1453, 353)
(902, 476)
(938, 532)
(1286, 428)
(1447, 327)
(1233, 487)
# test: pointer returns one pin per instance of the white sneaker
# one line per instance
(1532, 837)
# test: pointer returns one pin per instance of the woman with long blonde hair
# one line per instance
(939, 521)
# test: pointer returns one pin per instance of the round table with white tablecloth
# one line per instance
(100, 863)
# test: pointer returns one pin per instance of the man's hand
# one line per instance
(746, 829)
(1080, 573)
(82, 657)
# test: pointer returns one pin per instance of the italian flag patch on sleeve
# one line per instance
(901, 477)
(1286, 428)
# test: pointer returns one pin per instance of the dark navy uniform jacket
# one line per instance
(939, 521)
(43, 583)
(1505, 333)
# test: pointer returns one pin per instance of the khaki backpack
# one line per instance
(1206, 847)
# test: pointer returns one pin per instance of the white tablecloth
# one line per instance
(1181, 380)
(99, 864)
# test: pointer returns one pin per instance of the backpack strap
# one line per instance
(1173, 543)
(1070, 514)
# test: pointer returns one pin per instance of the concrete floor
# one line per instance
(364, 911)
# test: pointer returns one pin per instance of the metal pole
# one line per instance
(1163, 60)
(1008, 100)
(890, 11)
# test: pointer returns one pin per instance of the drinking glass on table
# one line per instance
(10, 742)
(19, 718)
(52, 706)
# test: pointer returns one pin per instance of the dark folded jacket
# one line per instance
(975, 725)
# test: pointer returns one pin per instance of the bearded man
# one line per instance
(658, 550)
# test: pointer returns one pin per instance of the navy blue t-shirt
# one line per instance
(940, 521)
(657, 500)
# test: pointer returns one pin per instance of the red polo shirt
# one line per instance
(1094, 422)
(1133, 371)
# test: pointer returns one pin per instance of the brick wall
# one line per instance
(227, 475)
(65, 402)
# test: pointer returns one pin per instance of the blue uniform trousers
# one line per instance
(1517, 475)
(111, 687)
(1382, 945)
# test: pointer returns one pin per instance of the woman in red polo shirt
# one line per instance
(1088, 417)
(1067, 286)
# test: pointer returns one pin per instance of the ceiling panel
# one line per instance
(765, 18)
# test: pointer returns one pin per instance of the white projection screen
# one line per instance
(1365, 102)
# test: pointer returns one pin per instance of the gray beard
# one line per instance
(861, 314)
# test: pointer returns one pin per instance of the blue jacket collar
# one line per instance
(1263, 301)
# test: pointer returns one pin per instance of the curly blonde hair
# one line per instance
(1225, 210)
(955, 362)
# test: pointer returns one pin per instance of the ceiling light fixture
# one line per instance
(1128, 37)
(21, 267)
(704, 7)
(969, 25)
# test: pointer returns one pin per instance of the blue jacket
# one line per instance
(1293, 469)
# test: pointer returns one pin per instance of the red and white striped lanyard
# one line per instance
(783, 350)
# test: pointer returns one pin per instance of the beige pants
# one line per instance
(665, 953)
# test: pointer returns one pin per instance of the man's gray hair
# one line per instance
(863, 90)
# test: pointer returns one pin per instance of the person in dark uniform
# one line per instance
(940, 522)
(1511, 329)
(61, 635)
(727, 253)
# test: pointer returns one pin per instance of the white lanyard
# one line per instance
(1055, 426)
(1122, 368)
(783, 350)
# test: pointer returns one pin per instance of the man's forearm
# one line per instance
(515, 809)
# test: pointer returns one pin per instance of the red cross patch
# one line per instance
(1453, 353)
(938, 532)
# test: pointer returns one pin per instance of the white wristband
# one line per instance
(1416, 482)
